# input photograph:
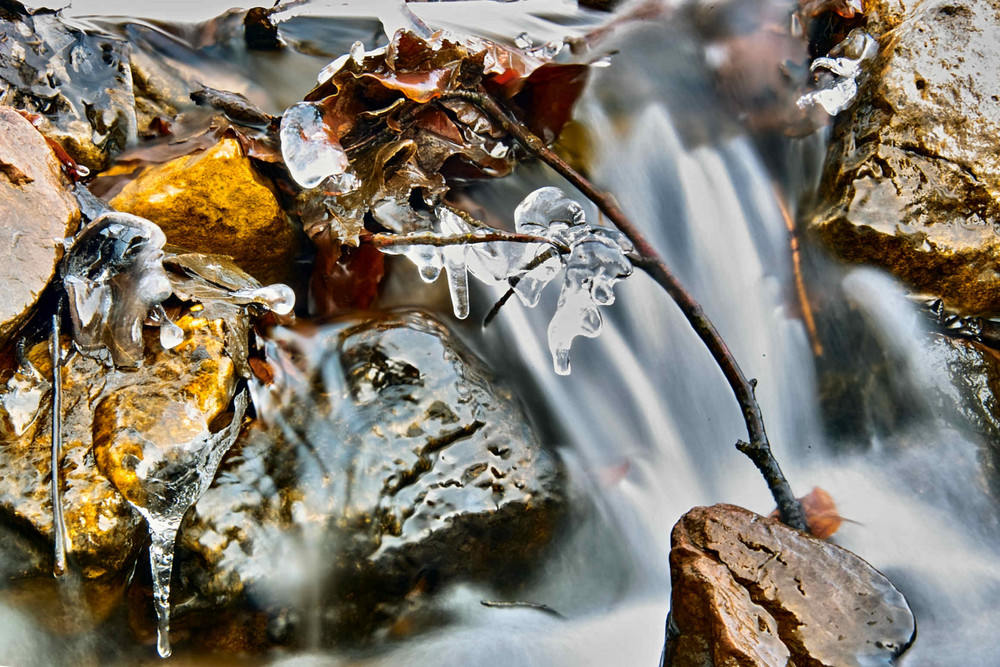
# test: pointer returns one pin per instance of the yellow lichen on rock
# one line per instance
(215, 202)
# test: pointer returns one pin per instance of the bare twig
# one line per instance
(758, 449)
(439, 241)
(536, 606)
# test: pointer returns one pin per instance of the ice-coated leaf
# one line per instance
(311, 152)
(113, 275)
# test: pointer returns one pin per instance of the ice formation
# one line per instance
(170, 487)
(594, 259)
(312, 153)
(857, 48)
(113, 274)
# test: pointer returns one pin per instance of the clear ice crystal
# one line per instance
(113, 274)
(278, 297)
(23, 399)
(171, 335)
(593, 268)
(596, 260)
(170, 488)
(839, 95)
(312, 154)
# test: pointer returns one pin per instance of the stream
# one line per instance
(646, 424)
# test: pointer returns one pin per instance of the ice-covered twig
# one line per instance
(758, 449)
(58, 522)
(471, 238)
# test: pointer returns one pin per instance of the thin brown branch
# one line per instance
(758, 448)
(800, 283)
(439, 241)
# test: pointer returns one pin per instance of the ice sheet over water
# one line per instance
(312, 154)
(113, 274)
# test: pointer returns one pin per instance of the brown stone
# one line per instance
(215, 202)
(913, 175)
(750, 591)
(399, 459)
(38, 209)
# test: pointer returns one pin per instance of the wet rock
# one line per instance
(393, 466)
(38, 209)
(913, 176)
(751, 591)
(974, 392)
(112, 420)
(79, 81)
(215, 202)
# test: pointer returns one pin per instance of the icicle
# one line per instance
(576, 315)
(312, 153)
(166, 499)
(58, 522)
(454, 261)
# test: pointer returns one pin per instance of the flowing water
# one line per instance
(646, 423)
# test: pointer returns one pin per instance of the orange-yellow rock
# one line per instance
(215, 202)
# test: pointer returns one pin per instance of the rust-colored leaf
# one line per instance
(345, 277)
(821, 513)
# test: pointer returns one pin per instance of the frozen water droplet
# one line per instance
(171, 335)
(523, 41)
(546, 206)
(311, 152)
(358, 52)
(278, 298)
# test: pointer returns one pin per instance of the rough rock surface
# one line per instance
(912, 182)
(104, 412)
(38, 209)
(398, 466)
(215, 202)
(751, 591)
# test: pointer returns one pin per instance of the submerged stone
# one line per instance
(751, 591)
(392, 464)
(215, 202)
(912, 181)
(79, 81)
(38, 210)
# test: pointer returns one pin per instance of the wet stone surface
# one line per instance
(79, 82)
(751, 591)
(215, 202)
(38, 210)
(392, 465)
(115, 424)
(912, 182)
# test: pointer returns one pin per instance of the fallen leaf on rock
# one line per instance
(821, 513)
